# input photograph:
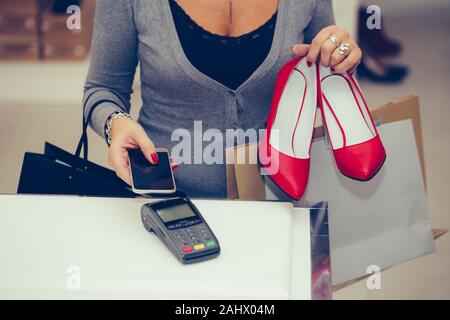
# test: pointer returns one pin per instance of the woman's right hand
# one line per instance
(128, 134)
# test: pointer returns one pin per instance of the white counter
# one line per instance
(43, 240)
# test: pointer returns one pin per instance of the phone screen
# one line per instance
(147, 176)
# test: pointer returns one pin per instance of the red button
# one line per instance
(187, 249)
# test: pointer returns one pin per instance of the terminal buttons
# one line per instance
(187, 249)
(194, 238)
(211, 244)
(199, 246)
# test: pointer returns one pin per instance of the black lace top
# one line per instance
(228, 60)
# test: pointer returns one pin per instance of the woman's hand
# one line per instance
(327, 46)
(128, 134)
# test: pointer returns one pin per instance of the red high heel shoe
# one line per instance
(284, 151)
(357, 147)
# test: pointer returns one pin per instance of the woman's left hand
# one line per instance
(327, 46)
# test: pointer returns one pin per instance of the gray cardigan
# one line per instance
(174, 92)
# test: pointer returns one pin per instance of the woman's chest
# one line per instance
(164, 65)
(229, 17)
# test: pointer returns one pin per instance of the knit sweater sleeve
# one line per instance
(113, 62)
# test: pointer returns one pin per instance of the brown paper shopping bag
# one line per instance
(405, 231)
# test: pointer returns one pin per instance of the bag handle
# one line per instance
(83, 143)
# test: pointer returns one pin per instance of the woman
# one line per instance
(200, 60)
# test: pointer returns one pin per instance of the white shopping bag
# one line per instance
(381, 222)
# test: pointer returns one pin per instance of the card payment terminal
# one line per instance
(179, 224)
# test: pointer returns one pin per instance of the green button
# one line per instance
(210, 244)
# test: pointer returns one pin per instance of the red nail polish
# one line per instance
(175, 166)
(155, 158)
(309, 64)
(332, 69)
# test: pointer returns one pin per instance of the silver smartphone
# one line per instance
(147, 178)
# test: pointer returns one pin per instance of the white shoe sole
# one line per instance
(294, 121)
(348, 124)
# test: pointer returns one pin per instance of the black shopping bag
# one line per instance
(60, 172)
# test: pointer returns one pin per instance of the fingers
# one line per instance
(146, 145)
(173, 165)
(328, 51)
(350, 62)
(118, 158)
(318, 41)
(353, 69)
(336, 57)
(301, 49)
